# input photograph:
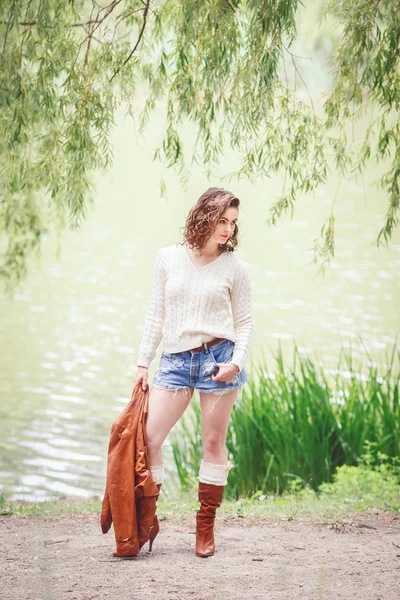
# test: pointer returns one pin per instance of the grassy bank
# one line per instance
(353, 489)
(297, 424)
(304, 443)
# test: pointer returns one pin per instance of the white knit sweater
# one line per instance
(190, 305)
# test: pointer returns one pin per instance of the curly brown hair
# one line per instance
(203, 218)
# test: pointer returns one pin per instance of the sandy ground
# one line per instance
(57, 558)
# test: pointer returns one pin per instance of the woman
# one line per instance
(195, 285)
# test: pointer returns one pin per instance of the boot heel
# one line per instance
(153, 532)
(155, 528)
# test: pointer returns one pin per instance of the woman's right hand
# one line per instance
(141, 376)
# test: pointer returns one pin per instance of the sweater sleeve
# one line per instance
(155, 317)
(242, 315)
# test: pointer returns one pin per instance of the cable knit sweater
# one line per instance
(190, 305)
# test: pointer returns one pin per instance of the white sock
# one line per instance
(157, 472)
(214, 474)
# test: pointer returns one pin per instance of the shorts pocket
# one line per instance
(224, 353)
(171, 361)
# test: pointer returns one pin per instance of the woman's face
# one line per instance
(226, 225)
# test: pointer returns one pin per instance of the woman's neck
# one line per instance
(208, 251)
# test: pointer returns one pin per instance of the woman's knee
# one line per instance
(153, 440)
(214, 443)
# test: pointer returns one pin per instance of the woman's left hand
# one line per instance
(226, 372)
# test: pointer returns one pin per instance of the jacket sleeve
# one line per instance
(155, 317)
(242, 314)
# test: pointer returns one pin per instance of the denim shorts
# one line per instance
(193, 369)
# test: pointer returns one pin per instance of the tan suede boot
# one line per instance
(157, 472)
(210, 498)
(155, 528)
(212, 481)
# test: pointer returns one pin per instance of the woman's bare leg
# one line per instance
(215, 415)
(164, 409)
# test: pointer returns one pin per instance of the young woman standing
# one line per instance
(201, 306)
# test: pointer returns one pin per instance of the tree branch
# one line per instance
(110, 8)
(230, 6)
(31, 23)
(90, 39)
(146, 11)
(6, 34)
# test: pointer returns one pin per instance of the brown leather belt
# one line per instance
(211, 343)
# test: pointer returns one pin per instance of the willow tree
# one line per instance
(67, 65)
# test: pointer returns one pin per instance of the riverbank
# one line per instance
(340, 543)
(58, 552)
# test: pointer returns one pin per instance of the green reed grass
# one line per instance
(299, 423)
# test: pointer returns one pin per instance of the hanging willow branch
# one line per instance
(141, 32)
(65, 67)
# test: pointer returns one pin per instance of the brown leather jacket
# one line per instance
(130, 496)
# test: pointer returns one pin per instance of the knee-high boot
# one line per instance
(212, 482)
(157, 473)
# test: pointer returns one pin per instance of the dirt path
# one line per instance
(69, 558)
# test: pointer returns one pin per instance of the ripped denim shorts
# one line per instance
(193, 369)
